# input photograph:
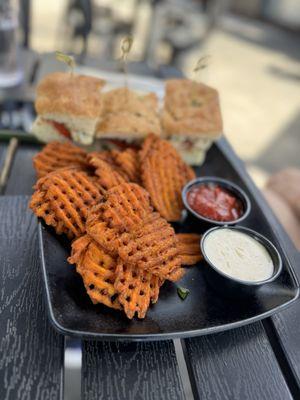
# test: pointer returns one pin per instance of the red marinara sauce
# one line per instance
(214, 202)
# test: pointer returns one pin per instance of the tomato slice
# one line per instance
(60, 128)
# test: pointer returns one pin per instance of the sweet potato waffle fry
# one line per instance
(128, 161)
(107, 174)
(122, 208)
(150, 143)
(163, 175)
(57, 155)
(102, 155)
(79, 247)
(136, 289)
(112, 283)
(108, 238)
(63, 199)
(125, 162)
(98, 271)
(152, 246)
(124, 224)
(124, 251)
(189, 248)
(125, 205)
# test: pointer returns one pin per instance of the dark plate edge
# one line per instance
(146, 337)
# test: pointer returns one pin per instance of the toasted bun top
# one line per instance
(191, 108)
(123, 99)
(125, 113)
(61, 92)
(127, 125)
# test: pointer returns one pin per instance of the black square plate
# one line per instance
(203, 311)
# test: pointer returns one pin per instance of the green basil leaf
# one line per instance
(182, 292)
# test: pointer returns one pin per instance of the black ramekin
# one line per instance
(230, 286)
(224, 183)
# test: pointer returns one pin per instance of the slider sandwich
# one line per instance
(127, 118)
(191, 118)
(68, 107)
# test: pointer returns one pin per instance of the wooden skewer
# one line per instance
(201, 64)
(126, 45)
(67, 59)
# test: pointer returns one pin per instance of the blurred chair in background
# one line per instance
(85, 18)
(172, 28)
(78, 23)
(181, 26)
(25, 22)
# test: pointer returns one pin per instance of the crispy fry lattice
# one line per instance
(102, 155)
(139, 236)
(189, 248)
(63, 199)
(125, 205)
(123, 250)
(107, 237)
(128, 162)
(163, 175)
(136, 289)
(122, 208)
(108, 175)
(57, 155)
(98, 271)
(152, 246)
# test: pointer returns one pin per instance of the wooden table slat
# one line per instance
(286, 323)
(22, 175)
(130, 371)
(31, 352)
(237, 364)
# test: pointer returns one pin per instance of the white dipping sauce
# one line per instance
(238, 255)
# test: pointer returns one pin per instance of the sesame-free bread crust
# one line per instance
(125, 112)
(191, 109)
(62, 92)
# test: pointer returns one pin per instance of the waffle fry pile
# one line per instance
(116, 207)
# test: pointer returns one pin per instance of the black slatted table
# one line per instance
(259, 361)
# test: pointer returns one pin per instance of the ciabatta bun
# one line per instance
(71, 100)
(64, 93)
(46, 132)
(191, 118)
(191, 109)
(128, 116)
